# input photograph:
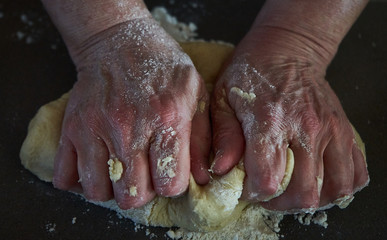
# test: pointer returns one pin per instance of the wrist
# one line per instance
(275, 48)
(316, 27)
(77, 21)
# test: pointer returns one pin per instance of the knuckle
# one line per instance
(167, 112)
(311, 123)
(122, 123)
(119, 117)
(71, 124)
(339, 126)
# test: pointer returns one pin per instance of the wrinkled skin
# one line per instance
(290, 105)
(136, 100)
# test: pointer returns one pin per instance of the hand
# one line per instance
(271, 96)
(136, 99)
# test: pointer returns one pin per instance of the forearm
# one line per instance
(321, 24)
(78, 20)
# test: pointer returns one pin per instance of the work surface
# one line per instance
(35, 68)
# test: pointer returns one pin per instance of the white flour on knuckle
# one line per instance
(166, 167)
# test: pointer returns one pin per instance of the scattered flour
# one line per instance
(248, 226)
(178, 30)
(50, 227)
(165, 167)
(29, 33)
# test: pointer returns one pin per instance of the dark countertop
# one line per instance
(35, 69)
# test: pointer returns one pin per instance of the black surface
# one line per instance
(32, 74)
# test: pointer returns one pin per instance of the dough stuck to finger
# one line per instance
(203, 208)
(115, 169)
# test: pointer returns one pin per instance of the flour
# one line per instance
(50, 227)
(178, 30)
(166, 167)
(29, 33)
(255, 223)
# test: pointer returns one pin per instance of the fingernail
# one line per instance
(218, 156)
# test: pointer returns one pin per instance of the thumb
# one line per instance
(228, 138)
(201, 142)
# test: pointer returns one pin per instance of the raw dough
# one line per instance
(202, 208)
(115, 169)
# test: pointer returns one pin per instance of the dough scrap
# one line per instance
(202, 208)
(115, 169)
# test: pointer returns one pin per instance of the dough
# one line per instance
(202, 208)
(115, 169)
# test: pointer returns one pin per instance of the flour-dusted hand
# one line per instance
(273, 95)
(134, 112)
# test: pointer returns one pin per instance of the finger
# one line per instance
(65, 167)
(92, 169)
(302, 192)
(133, 187)
(228, 138)
(338, 171)
(170, 159)
(265, 165)
(361, 177)
(200, 143)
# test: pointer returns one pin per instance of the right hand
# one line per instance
(136, 99)
(273, 95)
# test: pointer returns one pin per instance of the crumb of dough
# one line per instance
(133, 191)
(115, 169)
(319, 218)
(250, 97)
(344, 201)
(201, 106)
